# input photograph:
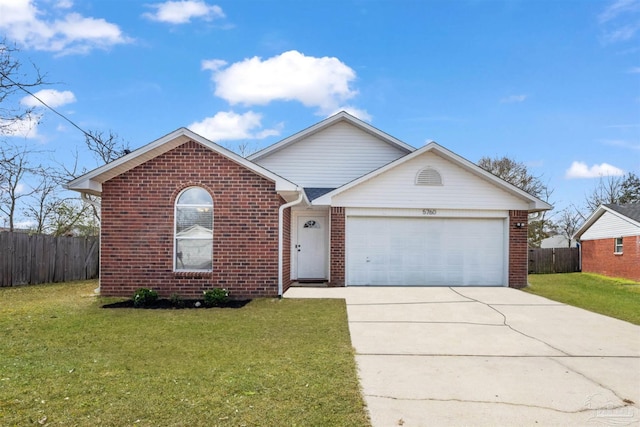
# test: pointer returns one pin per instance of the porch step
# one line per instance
(310, 284)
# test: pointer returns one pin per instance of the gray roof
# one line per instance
(315, 192)
(630, 210)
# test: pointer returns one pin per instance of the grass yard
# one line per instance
(65, 360)
(617, 298)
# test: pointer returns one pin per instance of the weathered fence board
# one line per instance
(30, 259)
(554, 260)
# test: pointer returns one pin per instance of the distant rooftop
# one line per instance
(630, 210)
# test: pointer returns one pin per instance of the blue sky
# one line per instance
(553, 84)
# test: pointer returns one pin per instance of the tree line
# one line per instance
(609, 190)
(31, 192)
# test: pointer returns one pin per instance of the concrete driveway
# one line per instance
(488, 356)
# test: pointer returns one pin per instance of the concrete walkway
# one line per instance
(488, 356)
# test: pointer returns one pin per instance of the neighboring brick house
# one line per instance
(340, 202)
(610, 241)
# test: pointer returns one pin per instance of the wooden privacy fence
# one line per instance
(31, 259)
(554, 260)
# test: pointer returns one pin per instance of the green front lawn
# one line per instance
(618, 298)
(64, 360)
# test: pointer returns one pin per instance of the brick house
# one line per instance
(340, 202)
(610, 241)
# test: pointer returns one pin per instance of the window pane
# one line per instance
(194, 230)
(195, 196)
(195, 220)
(193, 254)
(618, 245)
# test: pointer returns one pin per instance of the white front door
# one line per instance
(311, 247)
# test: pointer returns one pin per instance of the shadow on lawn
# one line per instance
(173, 305)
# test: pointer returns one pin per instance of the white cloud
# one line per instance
(66, 33)
(620, 21)
(513, 99)
(581, 170)
(213, 64)
(623, 143)
(51, 97)
(181, 12)
(228, 125)
(323, 83)
(64, 4)
(25, 128)
(617, 8)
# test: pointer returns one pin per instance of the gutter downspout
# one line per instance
(87, 200)
(281, 238)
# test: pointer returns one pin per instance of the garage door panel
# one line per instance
(425, 251)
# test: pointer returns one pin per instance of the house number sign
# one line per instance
(429, 212)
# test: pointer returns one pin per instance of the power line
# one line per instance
(71, 122)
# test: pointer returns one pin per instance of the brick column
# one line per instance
(518, 249)
(337, 246)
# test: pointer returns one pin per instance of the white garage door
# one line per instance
(425, 251)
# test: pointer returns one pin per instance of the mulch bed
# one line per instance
(185, 304)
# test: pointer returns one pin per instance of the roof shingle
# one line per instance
(630, 210)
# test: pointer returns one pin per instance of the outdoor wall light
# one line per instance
(519, 224)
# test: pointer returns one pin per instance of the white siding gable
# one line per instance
(331, 157)
(460, 189)
(610, 225)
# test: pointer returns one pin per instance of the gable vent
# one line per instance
(428, 176)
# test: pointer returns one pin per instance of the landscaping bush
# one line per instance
(216, 297)
(144, 297)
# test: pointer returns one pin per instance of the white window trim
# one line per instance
(618, 249)
(176, 238)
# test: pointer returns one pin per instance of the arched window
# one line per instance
(428, 176)
(194, 230)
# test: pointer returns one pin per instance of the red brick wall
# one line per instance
(598, 257)
(518, 249)
(337, 252)
(138, 227)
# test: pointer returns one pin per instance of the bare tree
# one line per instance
(48, 211)
(72, 216)
(84, 218)
(515, 173)
(12, 81)
(244, 148)
(614, 190)
(106, 147)
(541, 225)
(568, 223)
(41, 206)
(14, 168)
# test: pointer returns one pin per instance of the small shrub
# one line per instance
(215, 297)
(144, 297)
(176, 301)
